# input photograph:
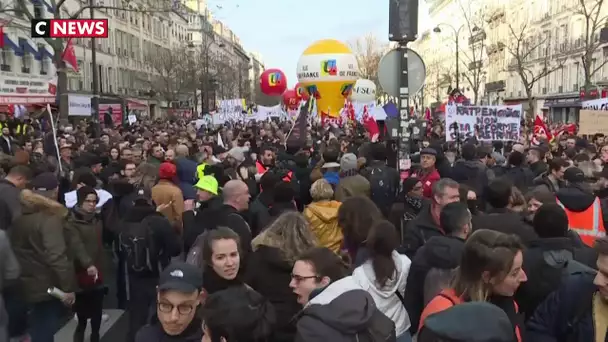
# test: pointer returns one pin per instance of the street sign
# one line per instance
(389, 70)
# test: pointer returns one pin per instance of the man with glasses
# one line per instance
(179, 293)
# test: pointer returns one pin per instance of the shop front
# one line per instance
(26, 90)
(564, 108)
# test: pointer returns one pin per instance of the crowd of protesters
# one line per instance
(232, 234)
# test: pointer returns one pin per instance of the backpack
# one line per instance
(548, 275)
(380, 328)
(138, 248)
(382, 192)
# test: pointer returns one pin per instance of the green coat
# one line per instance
(37, 238)
(83, 237)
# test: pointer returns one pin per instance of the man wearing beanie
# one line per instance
(351, 183)
(472, 170)
(547, 258)
(168, 195)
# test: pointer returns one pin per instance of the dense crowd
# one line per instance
(231, 234)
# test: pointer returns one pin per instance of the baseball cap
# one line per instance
(207, 183)
(182, 277)
(574, 175)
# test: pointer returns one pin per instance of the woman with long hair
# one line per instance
(355, 218)
(490, 271)
(384, 276)
(269, 267)
(221, 261)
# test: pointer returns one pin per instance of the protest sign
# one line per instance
(592, 122)
(598, 104)
(487, 123)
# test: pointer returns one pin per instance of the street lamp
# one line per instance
(437, 29)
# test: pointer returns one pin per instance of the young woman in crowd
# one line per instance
(275, 251)
(83, 235)
(321, 282)
(322, 214)
(221, 260)
(490, 271)
(384, 276)
(355, 218)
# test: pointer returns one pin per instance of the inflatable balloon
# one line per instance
(301, 92)
(364, 91)
(327, 70)
(290, 99)
(273, 82)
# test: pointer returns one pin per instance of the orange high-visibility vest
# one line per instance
(589, 224)
(262, 170)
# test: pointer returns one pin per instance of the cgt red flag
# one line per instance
(540, 130)
(370, 124)
(69, 55)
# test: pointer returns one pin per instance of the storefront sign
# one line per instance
(27, 89)
(79, 105)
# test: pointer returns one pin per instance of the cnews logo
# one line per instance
(69, 28)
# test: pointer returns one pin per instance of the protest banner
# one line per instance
(592, 122)
(598, 104)
(486, 123)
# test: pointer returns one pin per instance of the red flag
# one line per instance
(1, 35)
(370, 124)
(69, 55)
(540, 130)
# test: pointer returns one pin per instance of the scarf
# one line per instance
(83, 215)
(214, 283)
(348, 173)
(414, 202)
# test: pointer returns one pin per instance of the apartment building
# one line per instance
(256, 68)
(553, 29)
(123, 59)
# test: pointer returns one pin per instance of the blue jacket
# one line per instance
(569, 306)
(186, 173)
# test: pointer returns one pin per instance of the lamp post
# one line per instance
(437, 29)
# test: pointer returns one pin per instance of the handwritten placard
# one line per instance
(593, 121)
(486, 123)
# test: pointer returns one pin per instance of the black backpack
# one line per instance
(379, 329)
(549, 274)
(382, 190)
(138, 248)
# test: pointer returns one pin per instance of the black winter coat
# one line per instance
(418, 231)
(505, 221)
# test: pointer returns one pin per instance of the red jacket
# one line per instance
(427, 180)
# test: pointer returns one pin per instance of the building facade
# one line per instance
(123, 59)
(553, 33)
(256, 68)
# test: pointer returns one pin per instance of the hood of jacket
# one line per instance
(326, 211)
(32, 202)
(575, 199)
(332, 177)
(271, 256)
(472, 164)
(186, 170)
(442, 252)
(365, 276)
(343, 306)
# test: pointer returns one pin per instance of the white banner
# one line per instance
(79, 105)
(486, 123)
(599, 104)
(270, 112)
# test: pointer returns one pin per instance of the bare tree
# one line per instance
(368, 51)
(22, 14)
(438, 78)
(593, 23)
(474, 56)
(528, 51)
(172, 72)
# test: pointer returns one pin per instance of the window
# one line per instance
(26, 59)
(44, 60)
(38, 11)
(6, 58)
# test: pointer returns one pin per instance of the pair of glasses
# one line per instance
(182, 309)
(299, 278)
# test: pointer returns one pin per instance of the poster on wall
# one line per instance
(114, 109)
(486, 123)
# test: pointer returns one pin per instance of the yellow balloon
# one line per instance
(328, 70)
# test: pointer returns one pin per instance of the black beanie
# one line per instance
(409, 184)
(551, 221)
(83, 192)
